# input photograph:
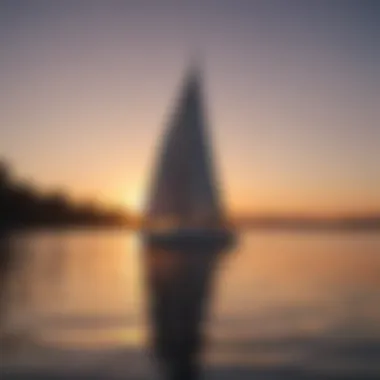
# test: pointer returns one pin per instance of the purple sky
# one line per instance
(293, 93)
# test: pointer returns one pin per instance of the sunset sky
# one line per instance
(292, 90)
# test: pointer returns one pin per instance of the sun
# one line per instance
(134, 201)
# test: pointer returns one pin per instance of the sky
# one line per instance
(292, 91)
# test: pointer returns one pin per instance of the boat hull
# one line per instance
(194, 240)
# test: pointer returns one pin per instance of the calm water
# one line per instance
(289, 302)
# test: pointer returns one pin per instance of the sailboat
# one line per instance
(184, 205)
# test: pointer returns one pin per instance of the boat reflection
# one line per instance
(180, 285)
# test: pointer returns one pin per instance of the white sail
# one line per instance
(184, 189)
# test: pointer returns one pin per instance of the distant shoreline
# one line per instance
(349, 224)
(310, 226)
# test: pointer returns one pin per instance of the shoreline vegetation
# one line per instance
(24, 207)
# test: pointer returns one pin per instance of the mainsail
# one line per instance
(184, 191)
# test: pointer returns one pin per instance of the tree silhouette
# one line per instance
(22, 205)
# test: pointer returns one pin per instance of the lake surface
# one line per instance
(285, 303)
